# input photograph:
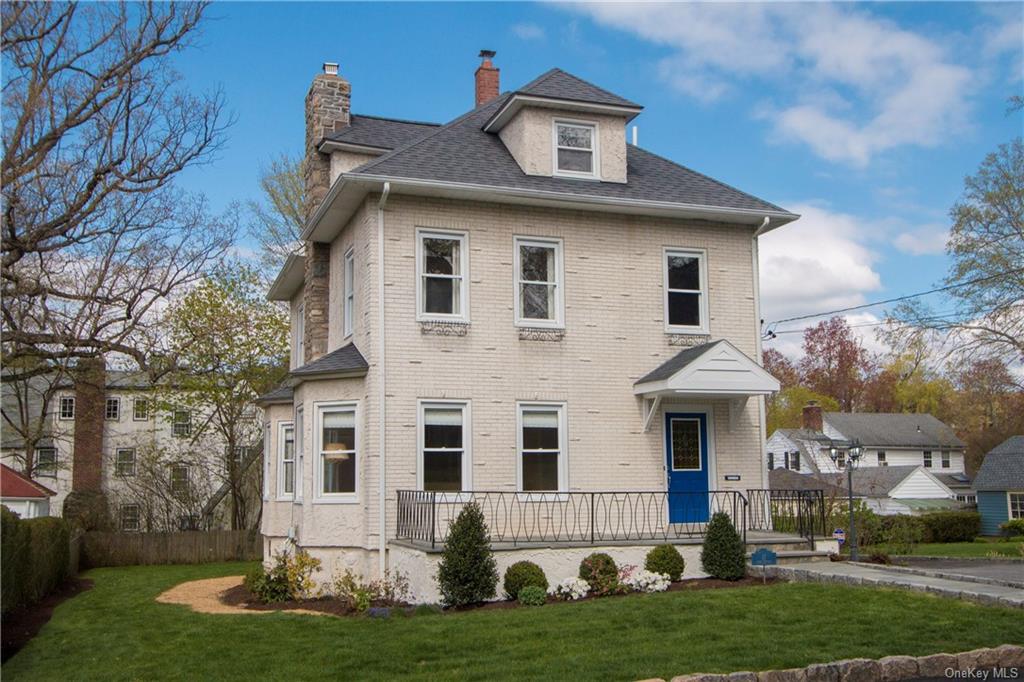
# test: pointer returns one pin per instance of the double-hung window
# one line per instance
(686, 302)
(444, 437)
(442, 265)
(928, 459)
(1016, 501)
(538, 266)
(131, 518)
(771, 461)
(266, 460)
(179, 479)
(881, 459)
(350, 293)
(945, 459)
(541, 446)
(337, 450)
(46, 462)
(793, 461)
(67, 407)
(124, 462)
(286, 450)
(181, 425)
(112, 411)
(140, 409)
(575, 149)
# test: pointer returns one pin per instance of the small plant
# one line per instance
(600, 572)
(643, 580)
(521, 574)
(900, 534)
(391, 590)
(571, 589)
(290, 578)
(348, 588)
(467, 573)
(1012, 528)
(723, 555)
(665, 559)
(533, 595)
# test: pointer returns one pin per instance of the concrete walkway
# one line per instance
(847, 573)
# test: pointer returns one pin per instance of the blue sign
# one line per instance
(764, 557)
(839, 535)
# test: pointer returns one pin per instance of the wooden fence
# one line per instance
(188, 547)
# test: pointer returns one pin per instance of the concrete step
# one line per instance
(799, 556)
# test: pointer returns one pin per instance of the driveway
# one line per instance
(1002, 571)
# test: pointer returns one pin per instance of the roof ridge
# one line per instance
(551, 72)
(398, 120)
(706, 177)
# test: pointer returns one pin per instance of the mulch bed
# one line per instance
(18, 628)
(241, 596)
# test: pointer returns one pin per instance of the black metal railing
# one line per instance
(800, 512)
(573, 517)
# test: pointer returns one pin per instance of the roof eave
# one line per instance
(327, 146)
(289, 280)
(296, 379)
(519, 100)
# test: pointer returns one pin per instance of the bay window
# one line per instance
(686, 306)
(336, 450)
(286, 459)
(541, 447)
(442, 266)
(300, 451)
(538, 290)
(444, 446)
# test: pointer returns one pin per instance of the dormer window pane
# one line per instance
(575, 148)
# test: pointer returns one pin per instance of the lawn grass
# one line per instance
(117, 631)
(960, 549)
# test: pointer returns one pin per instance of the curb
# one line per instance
(960, 577)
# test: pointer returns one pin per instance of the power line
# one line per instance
(929, 318)
(897, 299)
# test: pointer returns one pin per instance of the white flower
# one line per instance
(571, 588)
(646, 581)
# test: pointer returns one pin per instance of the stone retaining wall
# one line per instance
(1008, 658)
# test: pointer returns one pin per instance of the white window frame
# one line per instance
(595, 150)
(188, 478)
(563, 450)
(558, 321)
(106, 409)
(282, 494)
(319, 496)
(66, 399)
(928, 459)
(299, 335)
(702, 260)
(135, 409)
(50, 472)
(266, 461)
(1009, 504)
(349, 285)
(300, 454)
(117, 462)
(881, 458)
(945, 459)
(422, 405)
(175, 423)
(138, 518)
(463, 238)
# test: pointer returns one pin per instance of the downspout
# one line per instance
(762, 418)
(382, 392)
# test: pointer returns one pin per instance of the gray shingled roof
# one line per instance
(558, 84)
(787, 479)
(380, 132)
(894, 430)
(954, 480)
(1003, 467)
(461, 152)
(676, 362)
(872, 481)
(345, 359)
(281, 394)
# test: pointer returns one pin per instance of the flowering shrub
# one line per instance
(601, 573)
(571, 589)
(642, 580)
(392, 590)
(291, 577)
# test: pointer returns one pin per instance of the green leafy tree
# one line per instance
(229, 345)
(467, 573)
(785, 409)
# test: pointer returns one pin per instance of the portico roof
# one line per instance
(715, 369)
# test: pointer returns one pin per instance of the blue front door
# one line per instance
(686, 453)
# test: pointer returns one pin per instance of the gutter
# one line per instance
(382, 388)
(755, 269)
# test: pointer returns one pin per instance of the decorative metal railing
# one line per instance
(573, 517)
(800, 512)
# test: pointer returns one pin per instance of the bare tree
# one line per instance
(276, 222)
(26, 409)
(170, 484)
(95, 129)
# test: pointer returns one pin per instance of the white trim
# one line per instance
(299, 335)
(282, 494)
(117, 462)
(1009, 506)
(709, 415)
(106, 403)
(135, 409)
(558, 321)
(60, 408)
(423, 404)
(703, 309)
(328, 146)
(670, 456)
(517, 101)
(720, 372)
(462, 237)
(560, 408)
(267, 447)
(300, 453)
(319, 496)
(348, 279)
(595, 155)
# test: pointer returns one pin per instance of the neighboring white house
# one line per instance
(23, 496)
(516, 308)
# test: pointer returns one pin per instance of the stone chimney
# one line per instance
(812, 420)
(90, 382)
(487, 78)
(328, 107)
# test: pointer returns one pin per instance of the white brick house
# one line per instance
(517, 308)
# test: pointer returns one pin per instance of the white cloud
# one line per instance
(849, 84)
(922, 241)
(818, 263)
(527, 31)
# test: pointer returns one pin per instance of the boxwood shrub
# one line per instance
(467, 573)
(533, 595)
(951, 526)
(723, 555)
(523, 573)
(665, 559)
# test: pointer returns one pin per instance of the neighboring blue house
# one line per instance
(1000, 485)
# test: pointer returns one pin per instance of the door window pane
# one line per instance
(685, 445)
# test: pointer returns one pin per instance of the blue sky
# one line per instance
(864, 118)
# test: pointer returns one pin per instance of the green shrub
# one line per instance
(521, 574)
(467, 573)
(900, 533)
(88, 510)
(951, 526)
(35, 555)
(601, 573)
(290, 578)
(1012, 528)
(533, 595)
(723, 554)
(665, 559)
(867, 523)
(351, 590)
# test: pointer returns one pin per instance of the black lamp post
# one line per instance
(853, 455)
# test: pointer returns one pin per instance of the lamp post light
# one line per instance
(853, 456)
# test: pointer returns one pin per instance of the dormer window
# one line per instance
(575, 149)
